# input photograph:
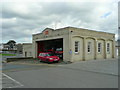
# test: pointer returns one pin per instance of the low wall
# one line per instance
(16, 59)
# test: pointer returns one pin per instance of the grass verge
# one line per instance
(8, 54)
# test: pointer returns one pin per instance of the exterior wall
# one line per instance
(19, 48)
(77, 56)
(27, 50)
(66, 48)
(100, 55)
(109, 54)
(70, 35)
(34, 49)
(119, 51)
(90, 55)
(95, 37)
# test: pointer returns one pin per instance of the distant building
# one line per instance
(19, 48)
(4, 46)
(27, 50)
(1, 46)
(11, 47)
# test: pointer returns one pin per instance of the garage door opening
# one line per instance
(54, 46)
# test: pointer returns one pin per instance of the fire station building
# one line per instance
(77, 44)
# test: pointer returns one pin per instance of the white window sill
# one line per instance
(76, 53)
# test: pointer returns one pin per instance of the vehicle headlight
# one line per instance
(50, 58)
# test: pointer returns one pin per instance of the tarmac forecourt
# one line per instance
(18, 66)
(19, 73)
(8, 82)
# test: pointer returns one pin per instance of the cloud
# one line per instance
(22, 19)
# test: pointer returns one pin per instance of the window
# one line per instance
(76, 46)
(108, 47)
(89, 47)
(99, 47)
(40, 54)
(43, 54)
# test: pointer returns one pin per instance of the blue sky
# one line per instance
(106, 14)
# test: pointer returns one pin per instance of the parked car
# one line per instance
(59, 52)
(51, 51)
(48, 57)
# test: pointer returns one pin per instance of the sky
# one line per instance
(22, 19)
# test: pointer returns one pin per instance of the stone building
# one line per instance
(77, 44)
(27, 49)
(19, 48)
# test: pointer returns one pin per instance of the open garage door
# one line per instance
(54, 46)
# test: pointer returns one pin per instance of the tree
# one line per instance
(11, 41)
(11, 44)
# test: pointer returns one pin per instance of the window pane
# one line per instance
(89, 46)
(40, 54)
(108, 47)
(99, 47)
(76, 46)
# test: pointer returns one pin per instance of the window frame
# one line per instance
(89, 45)
(99, 48)
(77, 46)
(108, 47)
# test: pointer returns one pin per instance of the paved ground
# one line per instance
(9, 82)
(84, 74)
(108, 66)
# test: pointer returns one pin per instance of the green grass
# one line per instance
(8, 54)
